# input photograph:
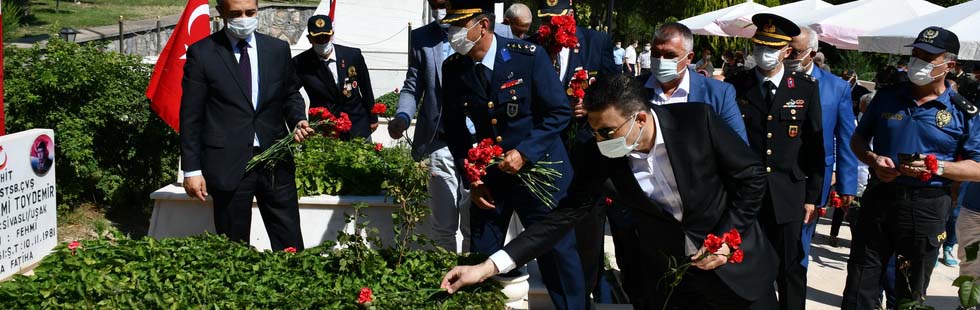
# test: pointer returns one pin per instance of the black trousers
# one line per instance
(837, 221)
(589, 235)
(895, 219)
(275, 191)
(698, 290)
(785, 239)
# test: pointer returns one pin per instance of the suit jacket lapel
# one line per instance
(696, 91)
(675, 148)
(342, 64)
(265, 68)
(227, 55)
(325, 77)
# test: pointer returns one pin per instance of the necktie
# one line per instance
(481, 75)
(557, 63)
(330, 74)
(245, 66)
(770, 88)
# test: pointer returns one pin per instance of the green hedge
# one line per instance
(327, 166)
(209, 272)
(112, 150)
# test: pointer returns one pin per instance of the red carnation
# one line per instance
(581, 75)
(732, 238)
(544, 31)
(365, 296)
(289, 250)
(74, 245)
(713, 243)
(579, 93)
(378, 147)
(343, 123)
(379, 108)
(736, 257)
(609, 201)
(821, 212)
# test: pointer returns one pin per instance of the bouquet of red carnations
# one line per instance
(321, 120)
(538, 178)
(711, 245)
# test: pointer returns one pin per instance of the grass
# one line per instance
(46, 19)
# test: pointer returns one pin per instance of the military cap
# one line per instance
(457, 10)
(935, 40)
(773, 30)
(319, 25)
(554, 7)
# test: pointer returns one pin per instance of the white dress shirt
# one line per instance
(331, 61)
(563, 58)
(775, 79)
(655, 176)
(253, 58)
(679, 95)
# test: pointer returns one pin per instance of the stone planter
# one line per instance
(516, 289)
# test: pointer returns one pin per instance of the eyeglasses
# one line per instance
(607, 132)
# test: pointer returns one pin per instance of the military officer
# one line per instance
(907, 202)
(781, 109)
(336, 77)
(507, 87)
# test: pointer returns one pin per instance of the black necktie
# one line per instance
(558, 64)
(245, 66)
(769, 89)
(481, 75)
(330, 74)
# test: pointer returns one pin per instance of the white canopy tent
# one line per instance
(841, 25)
(961, 19)
(704, 24)
(741, 26)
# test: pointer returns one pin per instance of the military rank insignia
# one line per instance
(943, 118)
(351, 72)
(794, 131)
(790, 83)
(512, 109)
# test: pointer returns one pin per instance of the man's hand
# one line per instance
(461, 276)
(396, 128)
(913, 169)
(578, 109)
(373, 127)
(809, 213)
(302, 131)
(513, 162)
(712, 261)
(846, 200)
(885, 169)
(480, 195)
(195, 187)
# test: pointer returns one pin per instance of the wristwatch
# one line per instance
(942, 167)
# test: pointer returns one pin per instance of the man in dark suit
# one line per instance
(238, 100)
(782, 115)
(507, 87)
(335, 77)
(670, 165)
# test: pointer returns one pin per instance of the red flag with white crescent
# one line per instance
(165, 90)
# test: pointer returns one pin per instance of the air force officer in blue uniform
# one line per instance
(507, 87)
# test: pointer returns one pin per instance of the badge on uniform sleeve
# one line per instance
(790, 83)
(794, 131)
(512, 109)
(943, 118)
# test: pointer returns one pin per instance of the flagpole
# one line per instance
(3, 118)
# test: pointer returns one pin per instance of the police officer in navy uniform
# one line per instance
(907, 202)
(335, 77)
(781, 109)
(507, 87)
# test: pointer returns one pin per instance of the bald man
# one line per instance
(517, 19)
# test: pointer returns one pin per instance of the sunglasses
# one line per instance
(607, 132)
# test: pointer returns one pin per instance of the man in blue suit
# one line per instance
(672, 82)
(449, 200)
(838, 126)
(507, 88)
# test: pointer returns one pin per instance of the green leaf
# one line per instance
(969, 293)
(971, 251)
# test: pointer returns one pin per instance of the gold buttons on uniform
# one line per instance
(769, 135)
(513, 98)
(768, 169)
(743, 115)
(769, 152)
(493, 121)
(794, 118)
(490, 104)
(466, 104)
(499, 138)
(769, 118)
(793, 111)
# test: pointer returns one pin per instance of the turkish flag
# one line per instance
(164, 90)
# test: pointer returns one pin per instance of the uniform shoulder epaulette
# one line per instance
(964, 105)
(804, 76)
(452, 58)
(525, 48)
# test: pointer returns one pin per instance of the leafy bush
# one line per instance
(13, 13)
(112, 150)
(212, 272)
(327, 166)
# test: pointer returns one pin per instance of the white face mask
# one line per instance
(324, 50)
(438, 15)
(646, 48)
(920, 71)
(616, 148)
(242, 27)
(666, 69)
(766, 58)
(458, 40)
(797, 64)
